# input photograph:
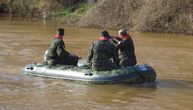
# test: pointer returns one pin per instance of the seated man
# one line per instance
(126, 49)
(103, 54)
(56, 53)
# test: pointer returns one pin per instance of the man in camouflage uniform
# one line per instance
(56, 53)
(126, 49)
(103, 55)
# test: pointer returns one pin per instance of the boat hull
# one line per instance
(136, 74)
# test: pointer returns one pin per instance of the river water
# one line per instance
(23, 42)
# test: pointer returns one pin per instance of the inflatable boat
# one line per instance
(134, 75)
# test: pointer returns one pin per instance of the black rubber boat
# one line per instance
(134, 75)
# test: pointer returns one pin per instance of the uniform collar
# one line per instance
(102, 38)
(58, 36)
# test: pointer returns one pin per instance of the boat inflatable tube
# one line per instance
(134, 75)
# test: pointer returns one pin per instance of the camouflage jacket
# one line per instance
(127, 52)
(56, 50)
(103, 53)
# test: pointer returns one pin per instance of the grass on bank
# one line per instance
(71, 14)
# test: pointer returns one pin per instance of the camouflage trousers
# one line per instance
(103, 67)
(67, 61)
(124, 62)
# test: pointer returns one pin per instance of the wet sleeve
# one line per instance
(90, 54)
(61, 51)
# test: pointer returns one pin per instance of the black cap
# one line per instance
(61, 31)
(105, 34)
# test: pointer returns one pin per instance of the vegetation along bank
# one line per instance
(165, 16)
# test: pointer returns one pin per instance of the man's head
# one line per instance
(105, 34)
(61, 31)
(123, 32)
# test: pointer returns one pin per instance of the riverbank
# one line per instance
(163, 16)
(173, 16)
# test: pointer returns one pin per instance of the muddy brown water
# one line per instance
(23, 42)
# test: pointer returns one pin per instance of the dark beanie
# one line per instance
(105, 34)
(61, 31)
